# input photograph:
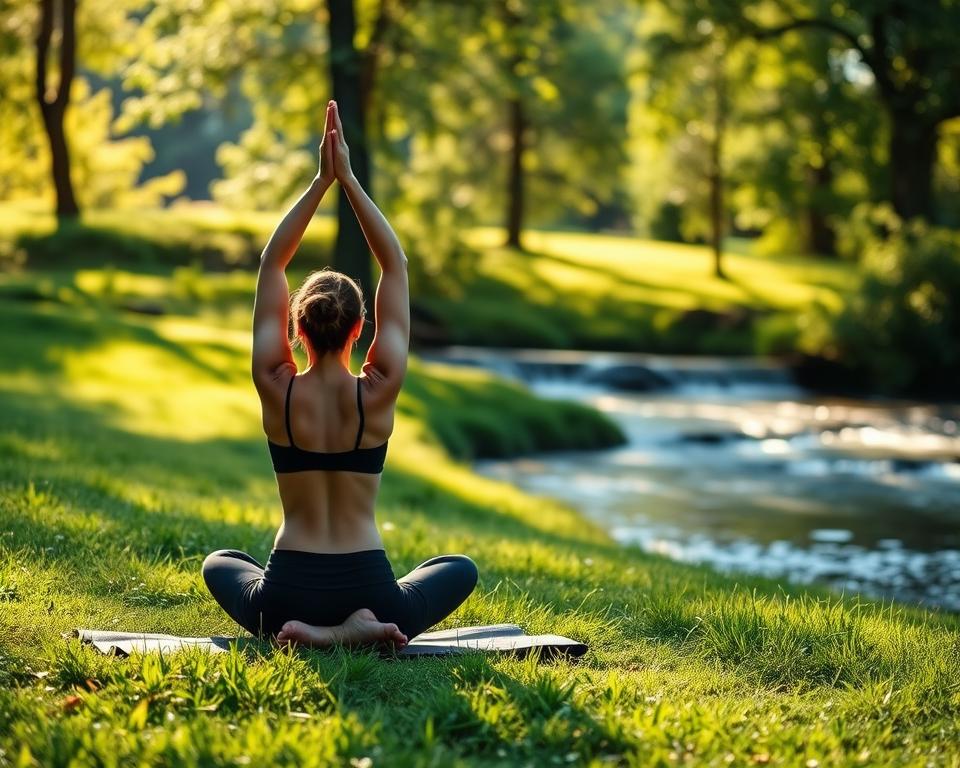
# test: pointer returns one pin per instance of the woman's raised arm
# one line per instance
(388, 352)
(271, 307)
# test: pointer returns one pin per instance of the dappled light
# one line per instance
(625, 349)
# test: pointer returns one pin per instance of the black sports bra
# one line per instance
(290, 458)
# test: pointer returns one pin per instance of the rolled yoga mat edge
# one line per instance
(494, 638)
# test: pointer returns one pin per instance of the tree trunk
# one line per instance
(820, 235)
(54, 110)
(913, 150)
(716, 170)
(515, 180)
(716, 219)
(351, 254)
(821, 238)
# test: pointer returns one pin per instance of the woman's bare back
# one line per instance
(329, 510)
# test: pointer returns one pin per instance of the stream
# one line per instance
(728, 463)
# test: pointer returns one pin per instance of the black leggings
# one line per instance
(324, 589)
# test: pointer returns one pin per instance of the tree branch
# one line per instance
(371, 54)
(68, 49)
(43, 48)
(878, 28)
(764, 33)
(872, 56)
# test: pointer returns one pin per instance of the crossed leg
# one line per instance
(232, 575)
(429, 593)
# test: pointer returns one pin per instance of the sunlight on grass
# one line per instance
(658, 273)
(130, 447)
(152, 392)
(158, 223)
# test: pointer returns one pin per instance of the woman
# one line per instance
(328, 579)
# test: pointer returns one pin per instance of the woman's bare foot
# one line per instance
(360, 628)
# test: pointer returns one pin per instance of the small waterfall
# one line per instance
(628, 372)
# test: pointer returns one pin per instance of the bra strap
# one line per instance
(360, 409)
(286, 412)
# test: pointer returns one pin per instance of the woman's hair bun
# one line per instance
(325, 310)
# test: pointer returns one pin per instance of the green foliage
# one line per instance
(432, 207)
(796, 132)
(777, 335)
(442, 130)
(21, 173)
(261, 172)
(105, 169)
(947, 179)
(680, 115)
(901, 329)
(809, 145)
(665, 222)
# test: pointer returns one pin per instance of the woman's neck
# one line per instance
(329, 365)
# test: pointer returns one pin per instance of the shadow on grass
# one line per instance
(72, 329)
(532, 312)
(472, 703)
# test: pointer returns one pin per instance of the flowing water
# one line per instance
(729, 463)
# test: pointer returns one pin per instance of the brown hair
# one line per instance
(325, 309)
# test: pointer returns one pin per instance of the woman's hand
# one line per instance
(327, 173)
(338, 147)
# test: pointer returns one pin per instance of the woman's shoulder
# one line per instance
(274, 386)
(376, 387)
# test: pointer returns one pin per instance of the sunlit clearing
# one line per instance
(187, 392)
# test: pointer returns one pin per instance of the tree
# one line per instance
(351, 254)
(556, 65)
(521, 104)
(902, 54)
(808, 147)
(56, 112)
(687, 107)
(354, 74)
(287, 57)
(911, 51)
(53, 103)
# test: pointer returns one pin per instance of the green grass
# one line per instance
(130, 448)
(590, 291)
(569, 290)
(187, 234)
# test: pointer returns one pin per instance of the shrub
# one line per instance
(776, 335)
(901, 330)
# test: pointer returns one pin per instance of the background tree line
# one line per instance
(804, 124)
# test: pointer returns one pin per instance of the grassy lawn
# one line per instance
(130, 448)
(569, 290)
(614, 292)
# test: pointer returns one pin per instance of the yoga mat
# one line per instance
(493, 638)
